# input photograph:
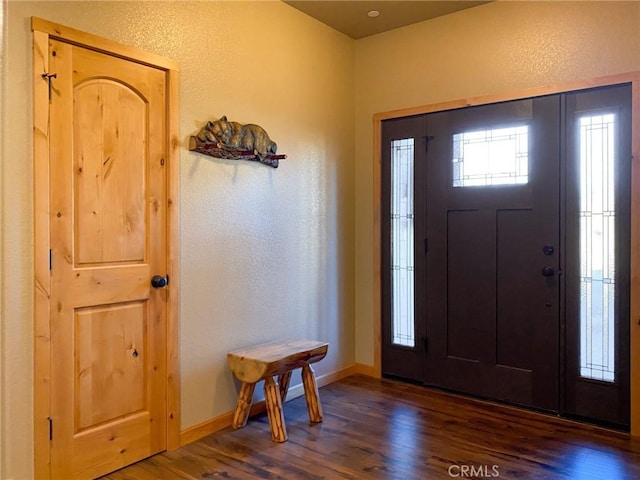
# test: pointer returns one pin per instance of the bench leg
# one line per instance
(283, 381)
(311, 394)
(274, 410)
(243, 406)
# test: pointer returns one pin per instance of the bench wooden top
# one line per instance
(256, 363)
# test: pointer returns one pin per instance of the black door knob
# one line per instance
(158, 281)
(547, 272)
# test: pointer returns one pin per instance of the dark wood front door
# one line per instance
(492, 260)
(496, 250)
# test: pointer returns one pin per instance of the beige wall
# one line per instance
(2, 68)
(265, 253)
(269, 253)
(495, 48)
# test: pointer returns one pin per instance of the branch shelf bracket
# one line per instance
(218, 150)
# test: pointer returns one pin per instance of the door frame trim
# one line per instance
(42, 31)
(629, 77)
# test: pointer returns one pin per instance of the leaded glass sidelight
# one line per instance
(597, 247)
(491, 157)
(402, 225)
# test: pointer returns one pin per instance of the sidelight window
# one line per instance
(402, 226)
(597, 247)
(491, 157)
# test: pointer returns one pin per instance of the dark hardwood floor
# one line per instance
(383, 429)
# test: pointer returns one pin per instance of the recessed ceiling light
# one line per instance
(373, 13)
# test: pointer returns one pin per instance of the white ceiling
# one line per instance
(350, 17)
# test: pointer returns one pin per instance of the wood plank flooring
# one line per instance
(383, 429)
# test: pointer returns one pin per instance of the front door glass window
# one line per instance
(402, 227)
(597, 247)
(497, 156)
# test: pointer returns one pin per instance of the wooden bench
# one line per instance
(263, 362)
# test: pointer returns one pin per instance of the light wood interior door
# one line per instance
(108, 237)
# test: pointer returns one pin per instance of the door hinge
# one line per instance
(426, 245)
(50, 259)
(425, 341)
(427, 139)
(50, 428)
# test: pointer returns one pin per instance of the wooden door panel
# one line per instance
(107, 449)
(110, 358)
(470, 283)
(100, 286)
(108, 237)
(110, 165)
(147, 81)
(518, 277)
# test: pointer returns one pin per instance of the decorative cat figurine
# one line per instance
(236, 136)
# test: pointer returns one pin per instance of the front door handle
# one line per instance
(158, 281)
(548, 272)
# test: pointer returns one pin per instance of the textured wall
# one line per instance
(265, 253)
(269, 253)
(2, 154)
(499, 47)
